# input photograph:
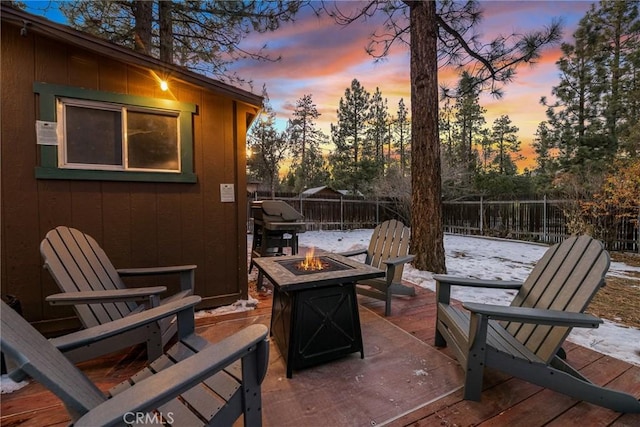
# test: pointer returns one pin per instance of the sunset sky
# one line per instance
(321, 58)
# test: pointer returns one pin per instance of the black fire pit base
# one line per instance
(313, 326)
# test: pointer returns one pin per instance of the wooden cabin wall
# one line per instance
(137, 224)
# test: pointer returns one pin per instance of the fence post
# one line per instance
(545, 238)
(341, 213)
(300, 198)
(481, 218)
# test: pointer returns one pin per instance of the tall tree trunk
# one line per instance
(166, 31)
(426, 204)
(143, 14)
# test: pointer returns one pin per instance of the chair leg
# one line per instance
(476, 357)
(387, 304)
(473, 386)
(251, 394)
(473, 375)
(439, 341)
(259, 280)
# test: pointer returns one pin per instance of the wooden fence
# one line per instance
(341, 213)
(543, 220)
(532, 220)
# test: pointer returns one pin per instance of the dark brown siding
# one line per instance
(138, 224)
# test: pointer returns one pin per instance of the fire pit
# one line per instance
(313, 264)
(314, 315)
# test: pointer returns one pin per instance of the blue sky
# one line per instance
(321, 58)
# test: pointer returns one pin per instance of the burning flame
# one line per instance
(311, 262)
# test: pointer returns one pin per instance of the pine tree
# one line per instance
(352, 157)
(543, 145)
(446, 115)
(597, 89)
(267, 146)
(305, 138)
(467, 129)
(378, 131)
(442, 33)
(202, 35)
(402, 138)
(506, 144)
(619, 33)
(486, 150)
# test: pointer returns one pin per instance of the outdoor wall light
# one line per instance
(164, 86)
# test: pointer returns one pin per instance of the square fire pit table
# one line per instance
(314, 317)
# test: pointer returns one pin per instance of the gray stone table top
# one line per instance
(282, 273)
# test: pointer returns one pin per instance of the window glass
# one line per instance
(93, 136)
(152, 141)
(106, 136)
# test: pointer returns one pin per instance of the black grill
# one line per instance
(275, 227)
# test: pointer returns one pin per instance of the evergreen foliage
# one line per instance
(201, 35)
(401, 137)
(307, 164)
(594, 118)
(353, 160)
(505, 144)
(267, 147)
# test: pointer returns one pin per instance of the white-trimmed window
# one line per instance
(108, 136)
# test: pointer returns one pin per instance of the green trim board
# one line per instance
(105, 175)
(49, 169)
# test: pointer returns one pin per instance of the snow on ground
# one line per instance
(7, 385)
(476, 257)
(485, 258)
(236, 307)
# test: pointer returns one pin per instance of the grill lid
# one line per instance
(274, 211)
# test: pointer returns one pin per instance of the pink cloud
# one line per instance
(321, 58)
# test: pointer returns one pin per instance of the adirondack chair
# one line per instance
(90, 282)
(194, 383)
(388, 250)
(524, 339)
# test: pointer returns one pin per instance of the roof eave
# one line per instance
(43, 26)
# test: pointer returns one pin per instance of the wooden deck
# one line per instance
(506, 401)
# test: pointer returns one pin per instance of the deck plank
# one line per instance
(505, 400)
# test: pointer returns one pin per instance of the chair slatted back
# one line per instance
(78, 263)
(389, 240)
(35, 356)
(566, 278)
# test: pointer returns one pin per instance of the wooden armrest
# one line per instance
(149, 271)
(168, 383)
(97, 297)
(186, 272)
(393, 263)
(109, 329)
(353, 252)
(399, 260)
(534, 315)
(445, 279)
